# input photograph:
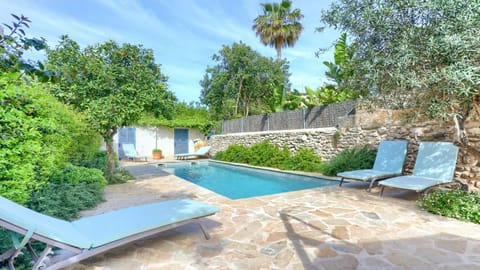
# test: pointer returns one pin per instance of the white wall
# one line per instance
(145, 140)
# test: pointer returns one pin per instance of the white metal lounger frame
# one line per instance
(79, 254)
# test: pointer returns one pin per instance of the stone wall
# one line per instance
(368, 128)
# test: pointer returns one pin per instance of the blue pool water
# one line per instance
(237, 182)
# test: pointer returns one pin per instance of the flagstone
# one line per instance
(323, 228)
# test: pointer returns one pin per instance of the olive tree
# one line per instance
(415, 54)
(113, 84)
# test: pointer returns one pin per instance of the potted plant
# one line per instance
(157, 153)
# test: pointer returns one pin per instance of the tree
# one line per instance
(112, 84)
(242, 83)
(340, 68)
(278, 27)
(416, 54)
(14, 43)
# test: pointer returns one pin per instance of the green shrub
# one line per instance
(37, 135)
(350, 159)
(234, 153)
(99, 161)
(456, 203)
(119, 176)
(72, 174)
(69, 191)
(304, 160)
(267, 155)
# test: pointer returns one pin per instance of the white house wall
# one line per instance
(145, 140)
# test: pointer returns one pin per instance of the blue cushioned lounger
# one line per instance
(203, 151)
(389, 162)
(90, 236)
(129, 151)
(435, 165)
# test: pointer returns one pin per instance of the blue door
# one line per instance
(125, 135)
(180, 139)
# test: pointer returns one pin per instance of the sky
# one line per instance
(184, 34)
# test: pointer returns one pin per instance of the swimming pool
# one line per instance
(236, 182)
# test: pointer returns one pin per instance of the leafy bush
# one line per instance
(37, 136)
(234, 153)
(100, 161)
(70, 191)
(350, 159)
(304, 160)
(119, 176)
(72, 174)
(268, 155)
(457, 203)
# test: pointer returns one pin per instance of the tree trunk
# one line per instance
(279, 53)
(111, 154)
(462, 137)
(237, 104)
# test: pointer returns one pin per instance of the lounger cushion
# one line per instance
(391, 156)
(367, 174)
(104, 228)
(111, 226)
(53, 228)
(416, 183)
(200, 152)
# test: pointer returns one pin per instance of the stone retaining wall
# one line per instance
(368, 128)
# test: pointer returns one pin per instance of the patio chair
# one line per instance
(90, 236)
(389, 162)
(202, 152)
(435, 165)
(129, 151)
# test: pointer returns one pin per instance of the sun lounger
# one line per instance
(435, 165)
(389, 162)
(203, 151)
(129, 151)
(90, 236)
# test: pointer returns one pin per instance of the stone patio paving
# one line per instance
(322, 228)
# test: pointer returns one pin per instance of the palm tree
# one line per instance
(278, 26)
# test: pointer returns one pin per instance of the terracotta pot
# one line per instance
(157, 155)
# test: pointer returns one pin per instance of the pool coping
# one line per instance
(299, 173)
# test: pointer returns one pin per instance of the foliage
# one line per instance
(267, 155)
(234, 153)
(119, 176)
(100, 161)
(457, 203)
(294, 101)
(279, 26)
(243, 82)
(37, 135)
(15, 43)
(350, 159)
(184, 115)
(340, 69)
(72, 174)
(415, 54)
(325, 95)
(112, 84)
(157, 151)
(304, 160)
(70, 191)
